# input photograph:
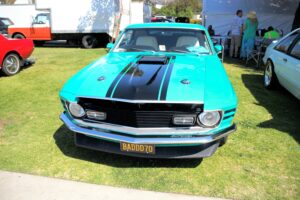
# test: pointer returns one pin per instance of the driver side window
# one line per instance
(41, 19)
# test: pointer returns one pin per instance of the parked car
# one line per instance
(13, 53)
(160, 19)
(282, 60)
(4, 23)
(161, 92)
(182, 20)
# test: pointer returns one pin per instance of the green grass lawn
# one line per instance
(261, 160)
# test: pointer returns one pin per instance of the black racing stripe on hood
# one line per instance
(164, 89)
(113, 84)
(142, 81)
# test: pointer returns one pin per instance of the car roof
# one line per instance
(167, 25)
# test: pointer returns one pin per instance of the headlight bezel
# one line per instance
(216, 124)
(72, 111)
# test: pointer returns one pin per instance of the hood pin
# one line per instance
(101, 78)
(185, 81)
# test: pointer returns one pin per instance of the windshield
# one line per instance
(163, 40)
(6, 22)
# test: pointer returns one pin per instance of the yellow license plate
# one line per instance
(138, 148)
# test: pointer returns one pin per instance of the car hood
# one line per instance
(169, 77)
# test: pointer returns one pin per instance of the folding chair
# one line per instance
(258, 53)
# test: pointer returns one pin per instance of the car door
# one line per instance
(281, 60)
(293, 69)
(40, 29)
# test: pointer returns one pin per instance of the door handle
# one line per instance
(284, 60)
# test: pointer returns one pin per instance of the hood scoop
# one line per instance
(146, 79)
(154, 60)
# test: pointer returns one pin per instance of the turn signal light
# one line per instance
(96, 115)
(184, 120)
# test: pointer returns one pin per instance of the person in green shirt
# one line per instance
(249, 29)
(271, 34)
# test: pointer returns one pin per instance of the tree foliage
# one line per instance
(180, 8)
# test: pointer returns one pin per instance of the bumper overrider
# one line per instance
(107, 138)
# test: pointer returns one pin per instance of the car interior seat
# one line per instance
(187, 41)
(149, 41)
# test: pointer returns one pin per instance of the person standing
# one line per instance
(210, 30)
(236, 33)
(249, 28)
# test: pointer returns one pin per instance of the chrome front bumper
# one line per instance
(116, 137)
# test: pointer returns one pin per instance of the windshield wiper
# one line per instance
(143, 50)
(179, 51)
(192, 52)
(206, 53)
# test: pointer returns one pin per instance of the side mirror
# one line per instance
(218, 48)
(109, 45)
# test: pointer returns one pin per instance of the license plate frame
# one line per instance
(137, 148)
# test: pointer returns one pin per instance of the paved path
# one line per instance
(17, 186)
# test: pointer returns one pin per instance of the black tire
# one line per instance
(89, 41)
(19, 36)
(270, 78)
(11, 64)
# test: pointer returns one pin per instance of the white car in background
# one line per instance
(282, 60)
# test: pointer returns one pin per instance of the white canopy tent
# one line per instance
(277, 13)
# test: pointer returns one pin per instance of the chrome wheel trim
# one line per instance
(11, 64)
(268, 74)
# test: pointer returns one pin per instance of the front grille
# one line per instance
(143, 115)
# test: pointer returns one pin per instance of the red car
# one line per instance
(13, 53)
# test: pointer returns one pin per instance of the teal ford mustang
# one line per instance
(160, 92)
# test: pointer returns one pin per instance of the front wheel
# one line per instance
(19, 36)
(270, 79)
(89, 41)
(11, 64)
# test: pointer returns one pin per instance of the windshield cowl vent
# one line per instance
(156, 60)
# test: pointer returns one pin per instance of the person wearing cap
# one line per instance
(249, 28)
(236, 31)
(271, 34)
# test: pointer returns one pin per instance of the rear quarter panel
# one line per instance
(23, 47)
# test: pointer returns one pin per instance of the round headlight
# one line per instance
(76, 110)
(209, 119)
